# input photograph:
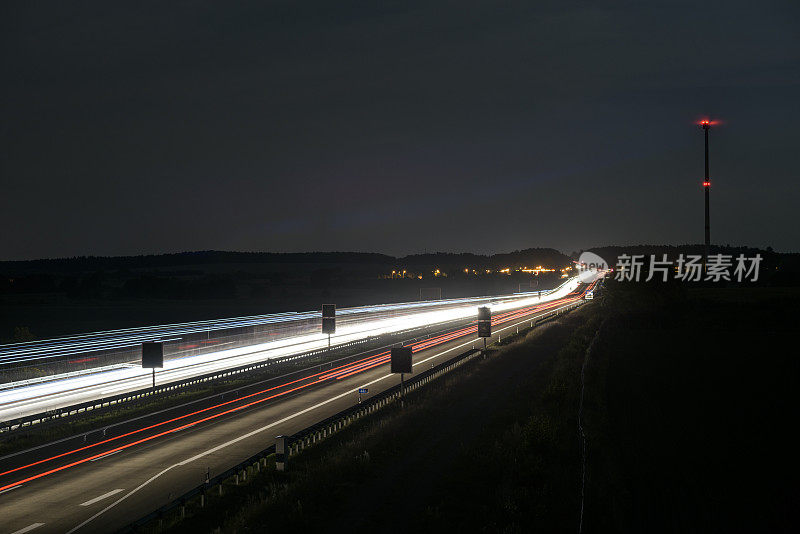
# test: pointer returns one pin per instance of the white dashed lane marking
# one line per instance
(101, 497)
(28, 528)
(105, 456)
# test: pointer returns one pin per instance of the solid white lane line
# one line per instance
(267, 427)
(184, 428)
(101, 497)
(28, 528)
(11, 488)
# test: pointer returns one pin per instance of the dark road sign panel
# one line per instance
(401, 360)
(152, 355)
(484, 322)
(329, 318)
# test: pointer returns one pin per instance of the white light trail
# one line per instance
(37, 398)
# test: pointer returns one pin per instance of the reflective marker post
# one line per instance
(280, 453)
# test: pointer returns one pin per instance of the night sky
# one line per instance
(396, 127)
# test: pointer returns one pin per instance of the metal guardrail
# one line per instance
(51, 415)
(318, 432)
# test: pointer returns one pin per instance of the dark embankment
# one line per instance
(692, 409)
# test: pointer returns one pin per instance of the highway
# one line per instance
(106, 483)
(59, 392)
(287, 324)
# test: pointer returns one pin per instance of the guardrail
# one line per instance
(318, 432)
(50, 415)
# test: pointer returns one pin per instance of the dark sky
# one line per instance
(145, 127)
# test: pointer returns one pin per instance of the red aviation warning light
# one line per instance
(706, 124)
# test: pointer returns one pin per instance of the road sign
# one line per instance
(401, 360)
(484, 322)
(329, 318)
(152, 354)
(589, 295)
(363, 390)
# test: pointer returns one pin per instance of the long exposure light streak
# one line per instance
(37, 398)
(252, 399)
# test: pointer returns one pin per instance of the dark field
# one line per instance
(692, 426)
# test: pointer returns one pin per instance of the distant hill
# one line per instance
(206, 257)
(298, 260)
(52, 297)
(208, 268)
(519, 258)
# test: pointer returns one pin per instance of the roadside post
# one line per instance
(401, 363)
(153, 357)
(280, 453)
